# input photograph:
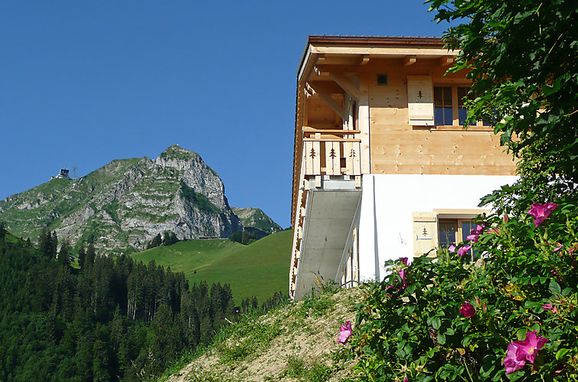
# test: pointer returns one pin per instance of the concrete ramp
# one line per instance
(328, 218)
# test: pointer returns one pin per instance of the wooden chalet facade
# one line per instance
(382, 167)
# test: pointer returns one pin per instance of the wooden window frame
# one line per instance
(455, 109)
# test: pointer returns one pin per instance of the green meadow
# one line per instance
(258, 269)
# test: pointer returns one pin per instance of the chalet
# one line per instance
(382, 166)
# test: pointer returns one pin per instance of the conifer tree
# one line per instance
(81, 257)
(64, 254)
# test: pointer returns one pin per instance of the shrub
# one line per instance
(454, 318)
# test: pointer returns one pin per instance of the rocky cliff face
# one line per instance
(124, 204)
(256, 218)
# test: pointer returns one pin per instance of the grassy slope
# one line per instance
(293, 343)
(258, 269)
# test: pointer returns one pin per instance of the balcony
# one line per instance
(331, 152)
(327, 206)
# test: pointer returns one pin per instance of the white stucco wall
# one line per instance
(391, 200)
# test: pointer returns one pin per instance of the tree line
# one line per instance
(99, 318)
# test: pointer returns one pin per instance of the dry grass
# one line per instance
(293, 343)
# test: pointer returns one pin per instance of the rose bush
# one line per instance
(458, 318)
(520, 280)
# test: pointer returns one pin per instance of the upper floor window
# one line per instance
(449, 109)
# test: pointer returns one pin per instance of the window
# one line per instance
(453, 231)
(449, 107)
(443, 114)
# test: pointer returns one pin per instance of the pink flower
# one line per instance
(345, 332)
(511, 362)
(405, 379)
(520, 352)
(403, 280)
(464, 250)
(475, 233)
(541, 212)
(452, 248)
(405, 261)
(550, 307)
(558, 248)
(467, 310)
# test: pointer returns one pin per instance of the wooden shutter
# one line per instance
(420, 100)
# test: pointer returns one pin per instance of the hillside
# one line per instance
(258, 269)
(124, 204)
(296, 342)
(256, 218)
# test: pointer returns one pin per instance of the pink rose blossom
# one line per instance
(405, 261)
(464, 250)
(403, 280)
(520, 352)
(550, 307)
(467, 310)
(345, 332)
(475, 233)
(512, 363)
(541, 212)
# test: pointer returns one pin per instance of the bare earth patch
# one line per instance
(293, 343)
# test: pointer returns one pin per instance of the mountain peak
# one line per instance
(177, 152)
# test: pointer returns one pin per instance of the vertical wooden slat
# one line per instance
(308, 160)
(347, 147)
(311, 156)
(352, 158)
(356, 158)
(317, 159)
(333, 158)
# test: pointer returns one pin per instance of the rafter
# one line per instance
(409, 60)
(329, 101)
(346, 84)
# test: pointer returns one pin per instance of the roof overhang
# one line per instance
(345, 50)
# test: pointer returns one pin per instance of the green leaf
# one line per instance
(441, 339)
(554, 287)
(561, 353)
(436, 322)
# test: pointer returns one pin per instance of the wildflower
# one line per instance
(541, 212)
(475, 233)
(520, 352)
(452, 248)
(467, 310)
(405, 261)
(464, 250)
(550, 307)
(405, 379)
(345, 332)
(403, 280)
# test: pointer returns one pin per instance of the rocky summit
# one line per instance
(124, 204)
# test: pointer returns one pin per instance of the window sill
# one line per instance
(461, 128)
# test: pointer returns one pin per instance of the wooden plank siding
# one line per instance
(399, 148)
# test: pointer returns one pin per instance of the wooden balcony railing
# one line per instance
(331, 152)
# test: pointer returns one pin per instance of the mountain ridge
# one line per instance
(122, 205)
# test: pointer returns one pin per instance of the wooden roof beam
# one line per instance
(409, 60)
(326, 98)
(346, 84)
(447, 60)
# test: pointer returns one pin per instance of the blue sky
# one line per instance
(86, 82)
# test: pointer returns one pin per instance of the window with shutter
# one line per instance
(420, 100)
